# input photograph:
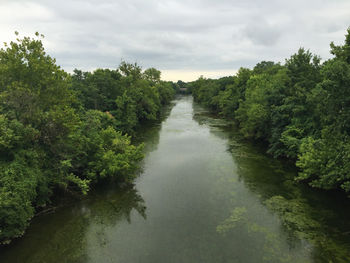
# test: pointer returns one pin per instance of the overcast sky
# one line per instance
(184, 39)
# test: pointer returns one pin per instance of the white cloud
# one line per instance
(177, 37)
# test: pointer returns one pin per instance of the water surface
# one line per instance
(204, 195)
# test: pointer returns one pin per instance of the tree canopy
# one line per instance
(300, 110)
(63, 132)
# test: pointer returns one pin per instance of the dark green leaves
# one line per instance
(63, 133)
(301, 110)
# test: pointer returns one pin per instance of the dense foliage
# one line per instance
(128, 94)
(301, 110)
(62, 132)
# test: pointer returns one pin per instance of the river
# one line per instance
(204, 195)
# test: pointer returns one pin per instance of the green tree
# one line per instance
(152, 75)
(325, 155)
(63, 133)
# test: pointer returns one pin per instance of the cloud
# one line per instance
(261, 32)
(177, 36)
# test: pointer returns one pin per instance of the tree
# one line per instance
(152, 75)
(63, 133)
(325, 156)
(35, 118)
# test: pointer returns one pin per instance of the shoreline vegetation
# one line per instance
(62, 132)
(300, 110)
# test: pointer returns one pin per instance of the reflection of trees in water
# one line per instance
(202, 116)
(116, 205)
(148, 133)
(311, 225)
(62, 237)
(303, 222)
(269, 248)
(307, 221)
(306, 216)
(108, 211)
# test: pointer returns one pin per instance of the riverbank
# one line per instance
(299, 109)
(204, 195)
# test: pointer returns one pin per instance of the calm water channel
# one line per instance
(203, 196)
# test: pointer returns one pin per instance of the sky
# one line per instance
(184, 39)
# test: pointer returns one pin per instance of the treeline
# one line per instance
(64, 132)
(300, 109)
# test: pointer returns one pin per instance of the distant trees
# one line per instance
(300, 109)
(128, 94)
(62, 132)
